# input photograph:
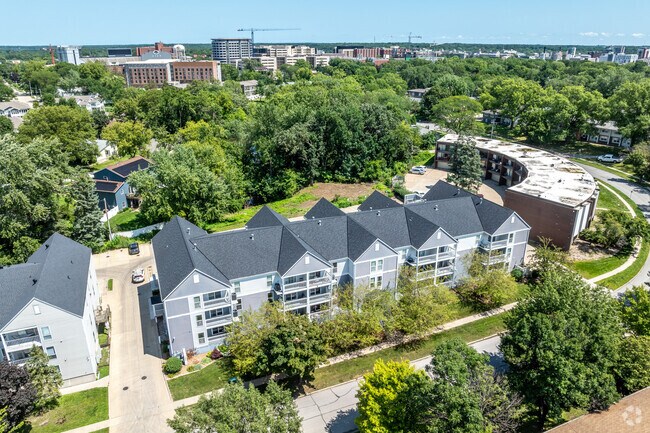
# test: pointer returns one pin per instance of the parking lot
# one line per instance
(419, 182)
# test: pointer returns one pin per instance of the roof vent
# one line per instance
(457, 191)
(370, 208)
(480, 201)
(47, 246)
(320, 223)
(188, 231)
(252, 236)
(194, 245)
(378, 213)
(435, 207)
(34, 281)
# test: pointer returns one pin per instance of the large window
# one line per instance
(425, 253)
(51, 353)
(199, 320)
(201, 336)
(216, 331)
(213, 296)
(377, 265)
(197, 302)
(375, 282)
(45, 331)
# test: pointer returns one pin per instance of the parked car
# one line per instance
(609, 158)
(134, 249)
(137, 276)
(418, 170)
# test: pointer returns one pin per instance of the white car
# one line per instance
(137, 276)
(418, 169)
(609, 158)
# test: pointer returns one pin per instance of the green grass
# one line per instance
(74, 410)
(618, 280)
(109, 284)
(607, 200)
(353, 368)
(103, 339)
(110, 161)
(423, 158)
(592, 268)
(104, 364)
(127, 219)
(104, 430)
(210, 378)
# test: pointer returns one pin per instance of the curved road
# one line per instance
(639, 195)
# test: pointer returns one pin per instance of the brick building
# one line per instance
(169, 71)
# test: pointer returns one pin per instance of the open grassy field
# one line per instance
(74, 410)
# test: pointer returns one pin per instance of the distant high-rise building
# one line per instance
(644, 53)
(231, 50)
(573, 51)
(68, 54)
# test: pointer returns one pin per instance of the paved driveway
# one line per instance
(139, 400)
(334, 409)
(419, 182)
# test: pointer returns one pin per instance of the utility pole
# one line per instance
(110, 233)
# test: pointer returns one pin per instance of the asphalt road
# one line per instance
(640, 196)
(333, 410)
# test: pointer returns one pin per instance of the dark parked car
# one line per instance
(134, 249)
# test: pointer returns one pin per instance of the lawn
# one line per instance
(111, 161)
(424, 158)
(353, 368)
(104, 430)
(127, 219)
(210, 378)
(607, 200)
(618, 280)
(104, 364)
(592, 268)
(74, 410)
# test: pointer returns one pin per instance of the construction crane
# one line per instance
(412, 36)
(253, 30)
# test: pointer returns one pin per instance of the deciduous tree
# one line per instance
(130, 138)
(458, 114)
(17, 394)
(633, 365)
(635, 310)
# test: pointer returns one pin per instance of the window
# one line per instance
(239, 304)
(45, 332)
(269, 296)
(376, 246)
(306, 260)
(51, 353)
(380, 264)
(197, 302)
(379, 282)
(377, 265)
(269, 281)
(335, 267)
(373, 266)
(37, 309)
(199, 320)
(201, 336)
(237, 287)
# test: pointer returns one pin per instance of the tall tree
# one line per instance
(570, 332)
(240, 410)
(630, 106)
(45, 378)
(458, 114)
(6, 92)
(4, 424)
(130, 138)
(466, 171)
(383, 406)
(635, 310)
(73, 127)
(87, 228)
(6, 126)
(633, 365)
(17, 394)
(485, 287)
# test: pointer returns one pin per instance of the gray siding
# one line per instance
(509, 226)
(189, 288)
(434, 242)
(518, 255)
(255, 301)
(521, 236)
(302, 268)
(180, 331)
(372, 254)
(176, 307)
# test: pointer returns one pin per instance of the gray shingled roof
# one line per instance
(56, 274)
(377, 200)
(457, 216)
(176, 257)
(420, 229)
(359, 239)
(329, 235)
(266, 217)
(323, 209)
(389, 225)
(491, 215)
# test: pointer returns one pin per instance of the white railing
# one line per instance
(425, 275)
(295, 303)
(295, 286)
(219, 320)
(446, 270)
(17, 341)
(320, 297)
(320, 280)
(211, 302)
(501, 243)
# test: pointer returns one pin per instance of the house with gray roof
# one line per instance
(112, 187)
(207, 280)
(50, 302)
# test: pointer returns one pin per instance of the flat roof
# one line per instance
(151, 62)
(550, 176)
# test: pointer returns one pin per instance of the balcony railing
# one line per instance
(447, 254)
(295, 303)
(425, 275)
(445, 270)
(326, 279)
(217, 336)
(501, 258)
(219, 320)
(295, 286)
(426, 259)
(321, 297)
(493, 245)
(17, 341)
(218, 301)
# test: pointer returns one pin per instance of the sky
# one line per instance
(106, 22)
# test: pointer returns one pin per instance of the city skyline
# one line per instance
(579, 22)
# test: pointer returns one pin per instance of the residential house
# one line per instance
(416, 94)
(494, 117)
(111, 184)
(50, 302)
(249, 87)
(14, 109)
(207, 280)
(607, 133)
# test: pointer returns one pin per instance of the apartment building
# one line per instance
(608, 133)
(207, 280)
(158, 72)
(555, 196)
(50, 302)
(230, 50)
(68, 54)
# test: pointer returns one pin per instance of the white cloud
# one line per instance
(589, 34)
(638, 35)
(460, 36)
(606, 34)
(620, 34)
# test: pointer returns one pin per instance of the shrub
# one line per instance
(191, 368)
(173, 365)
(517, 274)
(216, 354)
(191, 353)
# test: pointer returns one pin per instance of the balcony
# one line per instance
(449, 254)
(493, 245)
(425, 275)
(292, 287)
(219, 301)
(445, 270)
(423, 260)
(217, 336)
(500, 258)
(20, 341)
(321, 281)
(219, 320)
(294, 303)
(321, 297)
